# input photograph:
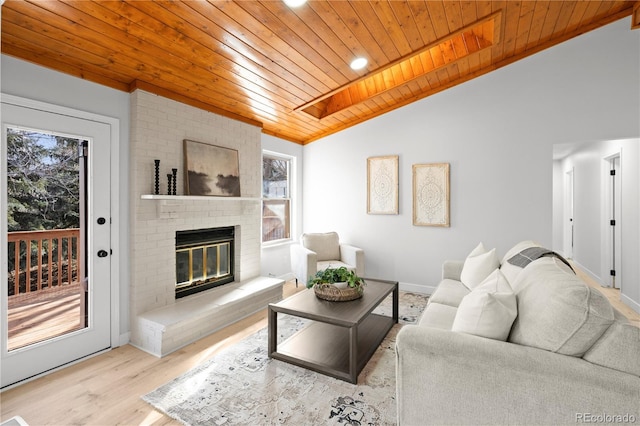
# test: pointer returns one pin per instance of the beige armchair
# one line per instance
(320, 251)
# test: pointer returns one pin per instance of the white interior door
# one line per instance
(20, 362)
(568, 215)
(616, 223)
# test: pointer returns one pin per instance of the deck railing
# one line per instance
(43, 259)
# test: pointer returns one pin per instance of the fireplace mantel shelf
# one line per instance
(195, 197)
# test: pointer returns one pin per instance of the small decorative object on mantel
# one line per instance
(337, 285)
(157, 187)
(169, 176)
(175, 174)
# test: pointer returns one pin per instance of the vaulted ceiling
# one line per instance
(284, 69)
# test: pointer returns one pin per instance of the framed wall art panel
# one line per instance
(431, 194)
(211, 170)
(382, 185)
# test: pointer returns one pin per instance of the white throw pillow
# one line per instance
(489, 310)
(478, 265)
(325, 245)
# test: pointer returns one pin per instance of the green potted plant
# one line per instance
(337, 284)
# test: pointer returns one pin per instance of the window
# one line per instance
(276, 201)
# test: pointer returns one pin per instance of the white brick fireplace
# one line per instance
(158, 128)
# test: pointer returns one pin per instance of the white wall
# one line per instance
(30, 81)
(591, 233)
(558, 207)
(275, 261)
(497, 132)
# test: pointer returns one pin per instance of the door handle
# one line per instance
(102, 253)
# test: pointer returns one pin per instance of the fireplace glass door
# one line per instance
(201, 265)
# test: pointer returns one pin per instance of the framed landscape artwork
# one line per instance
(431, 194)
(382, 185)
(211, 170)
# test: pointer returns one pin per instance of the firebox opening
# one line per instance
(204, 259)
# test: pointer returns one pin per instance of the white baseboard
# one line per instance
(623, 297)
(592, 275)
(630, 302)
(417, 288)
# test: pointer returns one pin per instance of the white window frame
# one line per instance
(290, 198)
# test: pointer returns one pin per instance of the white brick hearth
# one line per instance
(171, 327)
(158, 128)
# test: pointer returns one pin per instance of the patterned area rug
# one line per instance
(243, 386)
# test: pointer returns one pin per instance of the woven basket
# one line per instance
(334, 294)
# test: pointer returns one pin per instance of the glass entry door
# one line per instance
(46, 243)
(55, 219)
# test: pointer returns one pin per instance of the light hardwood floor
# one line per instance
(106, 389)
(613, 295)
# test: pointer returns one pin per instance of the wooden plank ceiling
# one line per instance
(287, 70)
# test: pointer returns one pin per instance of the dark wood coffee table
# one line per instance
(341, 336)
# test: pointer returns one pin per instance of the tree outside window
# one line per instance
(276, 201)
(43, 194)
(42, 181)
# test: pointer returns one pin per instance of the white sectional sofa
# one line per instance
(546, 349)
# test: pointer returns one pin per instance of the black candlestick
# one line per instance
(169, 183)
(175, 173)
(157, 176)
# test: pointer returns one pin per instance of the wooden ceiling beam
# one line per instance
(399, 73)
(635, 16)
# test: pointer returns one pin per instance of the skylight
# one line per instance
(468, 41)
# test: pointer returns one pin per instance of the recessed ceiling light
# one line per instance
(294, 3)
(358, 63)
